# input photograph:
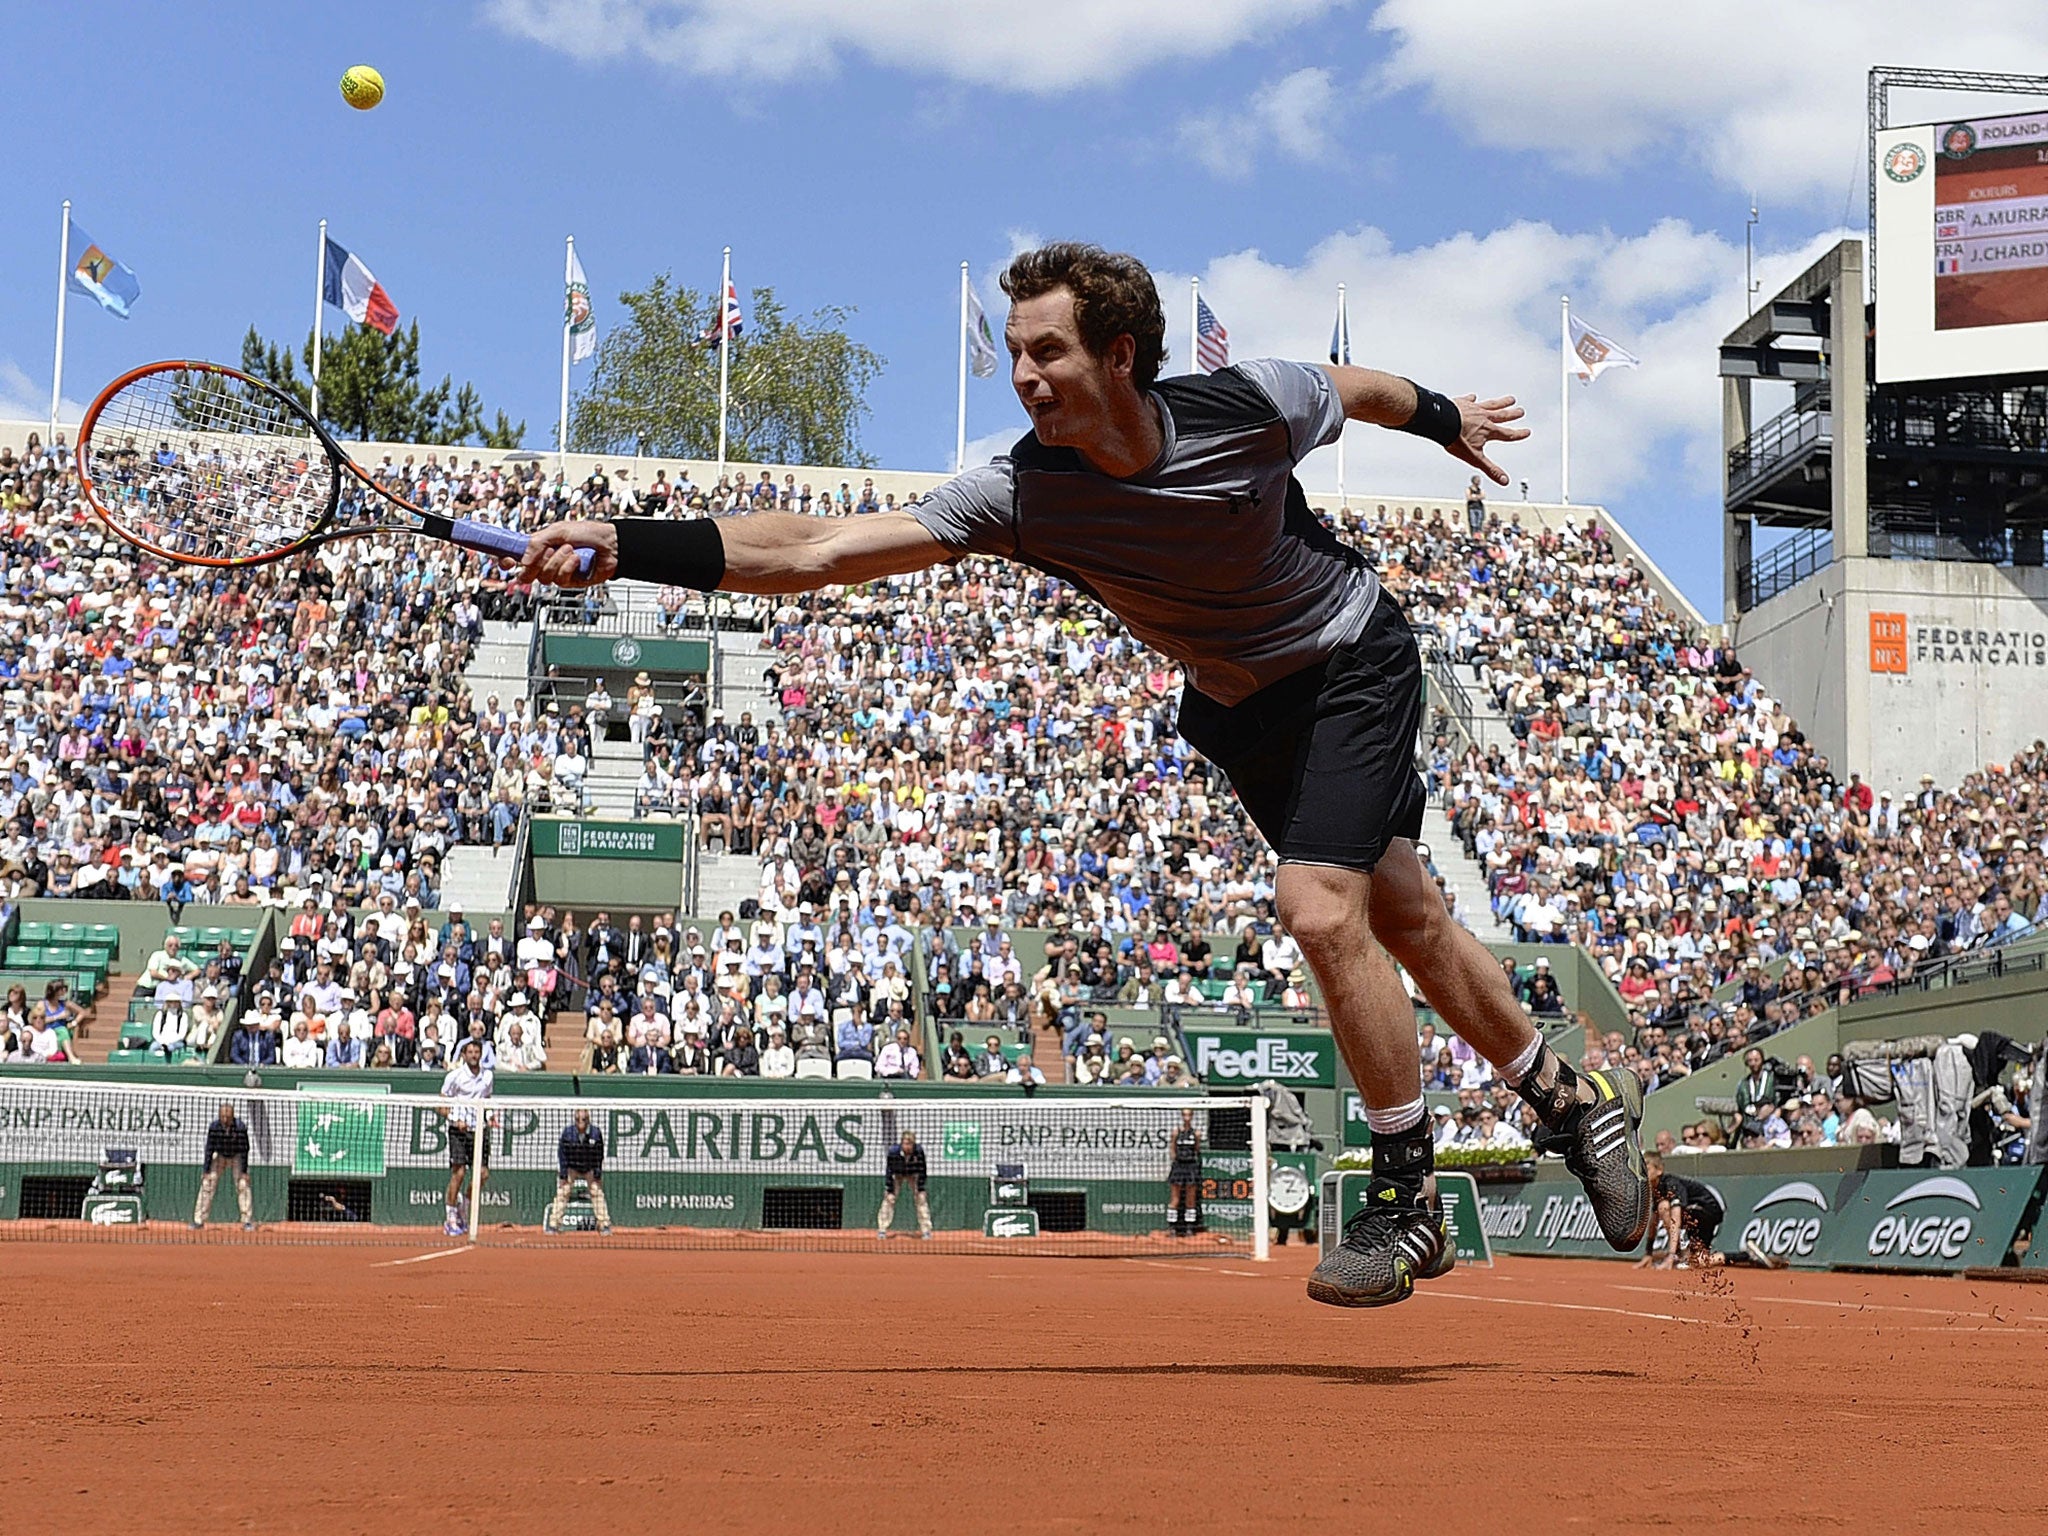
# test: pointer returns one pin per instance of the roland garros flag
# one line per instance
(351, 287)
(1593, 353)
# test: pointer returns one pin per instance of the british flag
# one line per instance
(728, 323)
(1212, 341)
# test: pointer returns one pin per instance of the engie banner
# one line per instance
(1892, 1218)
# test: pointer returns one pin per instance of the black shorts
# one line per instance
(1324, 759)
(1184, 1175)
(462, 1146)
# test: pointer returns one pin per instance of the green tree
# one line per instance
(798, 384)
(370, 390)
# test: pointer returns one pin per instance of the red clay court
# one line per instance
(371, 1390)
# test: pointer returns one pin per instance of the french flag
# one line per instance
(351, 287)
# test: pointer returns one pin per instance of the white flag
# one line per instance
(582, 323)
(1593, 353)
(981, 344)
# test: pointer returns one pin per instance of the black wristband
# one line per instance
(1436, 417)
(685, 552)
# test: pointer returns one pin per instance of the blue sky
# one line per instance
(1458, 170)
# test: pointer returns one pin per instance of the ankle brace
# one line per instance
(1405, 1157)
(1555, 1105)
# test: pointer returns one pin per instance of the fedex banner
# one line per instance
(1232, 1058)
(1894, 1218)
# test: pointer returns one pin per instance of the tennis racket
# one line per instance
(202, 464)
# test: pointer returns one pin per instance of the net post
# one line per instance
(1261, 1179)
(476, 1171)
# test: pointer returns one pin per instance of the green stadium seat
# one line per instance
(209, 938)
(187, 935)
(243, 937)
(60, 957)
(1214, 990)
(134, 1035)
(68, 933)
(106, 936)
(34, 933)
(127, 1058)
(24, 957)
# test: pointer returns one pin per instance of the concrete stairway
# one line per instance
(497, 664)
(724, 880)
(1462, 876)
(742, 688)
(477, 877)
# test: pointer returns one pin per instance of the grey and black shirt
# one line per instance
(1209, 554)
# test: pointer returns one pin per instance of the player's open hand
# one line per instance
(1483, 422)
(551, 554)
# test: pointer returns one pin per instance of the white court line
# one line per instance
(1568, 1306)
(1749, 1298)
(1254, 1274)
(420, 1258)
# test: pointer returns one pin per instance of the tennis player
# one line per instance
(467, 1082)
(1173, 503)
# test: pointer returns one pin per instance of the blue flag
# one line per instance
(98, 276)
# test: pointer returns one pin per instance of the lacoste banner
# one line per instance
(1301, 1058)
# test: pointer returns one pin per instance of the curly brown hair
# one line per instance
(1114, 295)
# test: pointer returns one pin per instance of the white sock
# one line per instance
(1513, 1072)
(451, 1213)
(1391, 1122)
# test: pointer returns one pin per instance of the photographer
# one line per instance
(906, 1168)
(580, 1154)
(1758, 1088)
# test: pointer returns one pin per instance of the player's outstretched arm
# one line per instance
(1463, 426)
(761, 552)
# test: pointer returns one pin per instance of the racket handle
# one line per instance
(490, 539)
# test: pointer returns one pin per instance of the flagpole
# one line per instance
(1194, 325)
(724, 353)
(1344, 346)
(960, 433)
(562, 437)
(1564, 375)
(319, 313)
(63, 282)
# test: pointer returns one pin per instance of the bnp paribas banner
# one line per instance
(345, 1136)
(1894, 1218)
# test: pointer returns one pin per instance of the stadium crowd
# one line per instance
(974, 745)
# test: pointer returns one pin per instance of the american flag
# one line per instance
(1212, 342)
(728, 324)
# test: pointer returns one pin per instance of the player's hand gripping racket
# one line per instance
(203, 464)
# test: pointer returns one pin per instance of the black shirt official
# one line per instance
(228, 1139)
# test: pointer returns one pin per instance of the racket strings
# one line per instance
(200, 465)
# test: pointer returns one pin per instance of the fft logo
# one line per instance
(1888, 643)
(1787, 1234)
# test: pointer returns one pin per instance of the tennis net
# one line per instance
(1046, 1173)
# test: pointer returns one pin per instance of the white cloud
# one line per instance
(1761, 95)
(23, 398)
(1480, 313)
(1051, 46)
(984, 448)
(1294, 115)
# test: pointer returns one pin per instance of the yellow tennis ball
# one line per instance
(362, 87)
